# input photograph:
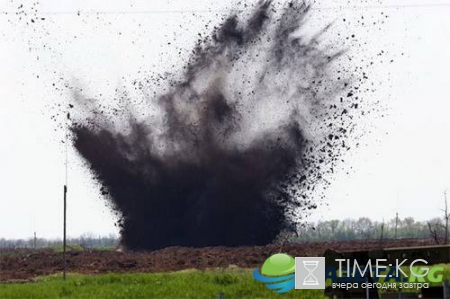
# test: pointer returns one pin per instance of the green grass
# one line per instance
(77, 247)
(232, 283)
(15, 252)
(59, 248)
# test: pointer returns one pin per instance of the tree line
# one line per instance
(367, 229)
(339, 230)
(85, 241)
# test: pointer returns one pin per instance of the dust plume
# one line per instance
(231, 154)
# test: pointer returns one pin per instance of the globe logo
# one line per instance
(278, 273)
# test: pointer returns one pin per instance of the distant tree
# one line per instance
(365, 228)
(435, 227)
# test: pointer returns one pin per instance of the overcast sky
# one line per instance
(403, 163)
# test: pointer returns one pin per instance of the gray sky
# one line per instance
(403, 162)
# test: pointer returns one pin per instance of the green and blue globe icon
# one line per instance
(277, 272)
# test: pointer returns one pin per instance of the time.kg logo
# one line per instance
(310, 273)
(282, 273)
(277, 272)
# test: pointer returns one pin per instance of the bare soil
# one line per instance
(16, 265)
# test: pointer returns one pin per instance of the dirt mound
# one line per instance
(24, 265)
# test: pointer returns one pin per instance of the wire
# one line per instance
(385, 6)
(124, 12)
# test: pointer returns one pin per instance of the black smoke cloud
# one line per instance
(234, 150)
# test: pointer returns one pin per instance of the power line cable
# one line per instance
(319, 8)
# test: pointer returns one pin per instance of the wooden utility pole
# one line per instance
(396, 224)
(446, 218)
(65, 198)
(64, 233)
(382, 232)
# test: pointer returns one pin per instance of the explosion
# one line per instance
(233, 151)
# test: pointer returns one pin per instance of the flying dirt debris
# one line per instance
(236, 147)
